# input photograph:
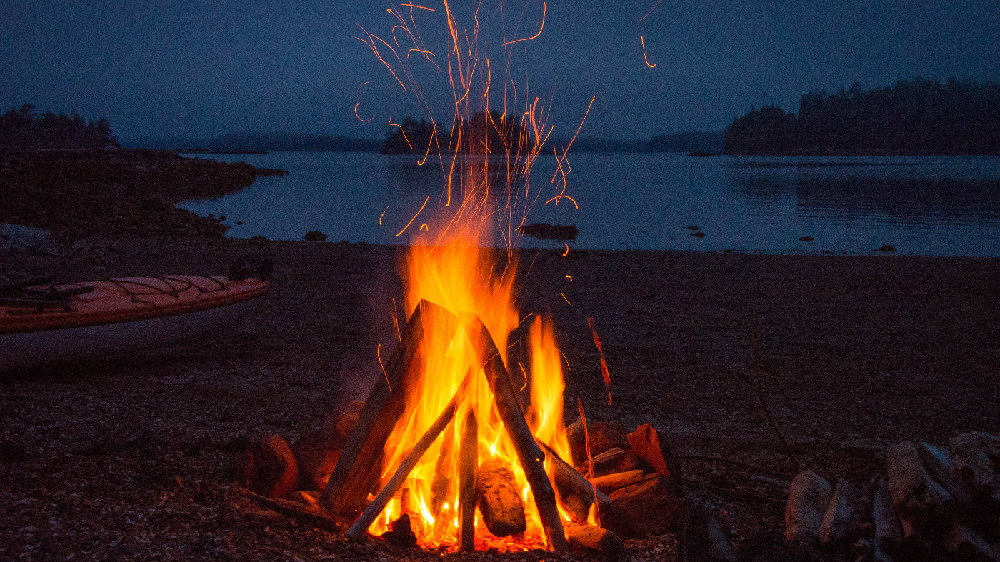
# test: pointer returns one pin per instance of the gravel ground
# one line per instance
(128, 457)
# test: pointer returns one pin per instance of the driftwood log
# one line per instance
(468, 460)
(528, 452)
(358, 467)
(888, 530)
(499, 499)
(918, 499)
(841, 514)
(973, 465)
(808, 498)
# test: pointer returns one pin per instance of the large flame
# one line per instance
(450, 263)
(466, 278)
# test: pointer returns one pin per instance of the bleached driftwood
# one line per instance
(844, 505)
(808, 497)
(888, 530)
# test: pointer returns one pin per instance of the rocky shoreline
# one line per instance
(116, 192)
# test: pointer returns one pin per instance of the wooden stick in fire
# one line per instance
(358, 466)
(373, 510)
(468, 460)
(577, 493)
(528, 452)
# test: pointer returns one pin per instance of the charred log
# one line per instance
(499, 500)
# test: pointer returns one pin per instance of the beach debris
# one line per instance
(808, 498)
(843, 513)
(932, 503)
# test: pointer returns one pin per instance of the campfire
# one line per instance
(461, 444)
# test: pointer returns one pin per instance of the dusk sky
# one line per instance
(203, 68)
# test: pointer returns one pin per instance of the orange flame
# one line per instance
(449, 264)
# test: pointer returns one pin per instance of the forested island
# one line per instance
(912, 117)
(23, 129)
(72, 177)
(483, 133)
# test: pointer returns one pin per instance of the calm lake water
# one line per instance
(920, 205)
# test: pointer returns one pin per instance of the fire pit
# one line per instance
(446, 453)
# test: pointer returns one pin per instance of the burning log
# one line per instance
(468, 458)
(528, 453)
(808, 497)
(614, 481)
(357, 469)
(409, 462)
(602, 435)
(596, 538)
(499, 500)
(401, 533)
(576, 492)
(841, 515)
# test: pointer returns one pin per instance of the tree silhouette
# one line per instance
(483, 133)
(21, 129)
(912, 117)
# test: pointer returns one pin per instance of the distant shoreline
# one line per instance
(116, 192)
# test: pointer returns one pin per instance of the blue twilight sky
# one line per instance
(201, 68)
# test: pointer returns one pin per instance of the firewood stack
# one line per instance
(631, 476)
(933, 503)
(628, 474)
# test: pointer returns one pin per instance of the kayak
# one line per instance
(41, 324)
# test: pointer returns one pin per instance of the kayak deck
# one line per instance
(120, 299)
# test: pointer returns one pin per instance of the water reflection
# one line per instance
(900, 191)
(925, 205)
